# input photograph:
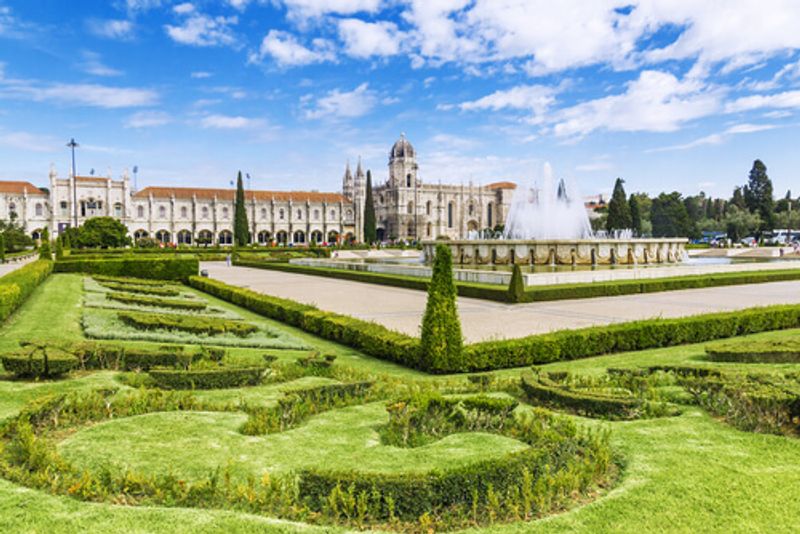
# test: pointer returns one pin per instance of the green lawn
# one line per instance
(690, 473)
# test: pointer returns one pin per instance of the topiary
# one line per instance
(516, 288)
(441, 341)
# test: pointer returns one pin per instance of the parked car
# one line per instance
(749, 241)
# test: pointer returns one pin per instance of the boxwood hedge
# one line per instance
(216, 378)
(142, 300)
(162, 268)
(380, 342)
(38, 362)
(755, 352)
(17, 285)
(540, 388)
(186, 323)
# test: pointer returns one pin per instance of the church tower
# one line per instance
(347, 183)
(359, 197)
(403, 165)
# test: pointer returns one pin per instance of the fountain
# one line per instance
(549, 225)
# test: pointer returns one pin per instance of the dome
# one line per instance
(402, 148)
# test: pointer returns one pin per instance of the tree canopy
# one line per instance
(619, 212)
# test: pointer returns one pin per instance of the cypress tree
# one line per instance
(758, 194)
(370, 231)
(619, 213)
(516, 288)
(67, 243)
(59, 247)
(241, 232)
(441, 344)
(2, 248)
(45, 252)
(635, 208)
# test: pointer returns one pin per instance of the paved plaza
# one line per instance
(401, 309)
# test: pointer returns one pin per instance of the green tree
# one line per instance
(669, 217)
(740, 223)
(59, 247)
(370, 229)
(636, 214)
(241, 232)
(45, 252)
(15, 237)
(516, 288)
(65, 238)
(619, 213)
(441, 342)
(100, 232)
(738, 198)
(758, 194)
(2, 248)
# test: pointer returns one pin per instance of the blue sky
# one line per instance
(668, 94)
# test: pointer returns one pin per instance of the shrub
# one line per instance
(540, 388)
(755, 352)
(516, 287)
(39, 362)
(16, 286)
(128, 280)
(441, 343)
(144, 289)
(180, 304)
(220, 378)
(185, 323)
(162, 268)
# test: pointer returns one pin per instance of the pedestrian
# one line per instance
(228, 260)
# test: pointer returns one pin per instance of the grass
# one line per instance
(344, 439)
(690, 473)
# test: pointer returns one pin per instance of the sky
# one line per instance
(667, 94)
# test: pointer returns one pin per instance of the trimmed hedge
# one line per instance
(128, 280)
(371, 338)
(144, 290)
(220, 378)
(39, 362)
(380, 342)
(179, 304)
(542, 293)
(541, 388)
(185, 323)
(755, 352)
(161, 268)
(17, 286)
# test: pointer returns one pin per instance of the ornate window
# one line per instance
(118, 210)
(140, 212)
(204, 212)
(184, 213)
(225, 212)
(39, 210)
(316, 215)
(428, 206)
(263, 213)
(299, 215)
(410, 208)
(450, 214)
(162, 213)
(281, 214)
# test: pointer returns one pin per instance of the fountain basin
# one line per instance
(561, 251)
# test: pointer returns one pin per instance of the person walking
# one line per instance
(228, 259)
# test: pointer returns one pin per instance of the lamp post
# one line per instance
(72, 145)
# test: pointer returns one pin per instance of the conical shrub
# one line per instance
(516, 288)
(441, 344)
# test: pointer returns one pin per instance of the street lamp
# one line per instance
(72, 145)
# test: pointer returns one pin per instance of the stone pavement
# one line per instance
(402, 309)
(6, 268)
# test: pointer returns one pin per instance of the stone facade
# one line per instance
(405, 207)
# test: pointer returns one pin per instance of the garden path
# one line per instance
(401, 309)
(6, 268)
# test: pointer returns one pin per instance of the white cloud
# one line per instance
(347, 104)
(787, 99)
(198, 29)
(199, 75)
(29, 142)
(595, 166)
(717, 138)
(148, 119)
(655, 102)
(229, 122)
(286, 51)
(92, 64)
(81, 94)
(535, 98)
(300, 10)
(111, 28)
(366, 39)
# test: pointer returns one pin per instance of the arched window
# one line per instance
(349, 214)
(225, 212)
(429, 229)
(380, 199)
(316, 215)
(205, 237)
(450, 215)
(118, 210)
(428, 207)
(12, 210)
(204, 212)
(408, 180)
(163, 236)
(471, 208)
(140, 234)
(490, 215)
(282, 237)
(184, 214)
(281, 214)
(410, 208)
(299, 237)
(162, 212)
(225, 237)
(39, 210)
(140, 212)
(263, 213)
(333, 214)
(264, 237)
(316, 237)
(184, 237)
(299, 215)
(333, 236)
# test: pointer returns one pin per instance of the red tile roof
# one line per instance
(502, 185)
(228, 194)
(20, 188)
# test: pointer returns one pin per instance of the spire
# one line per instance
(359, 171)
(347, 173)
